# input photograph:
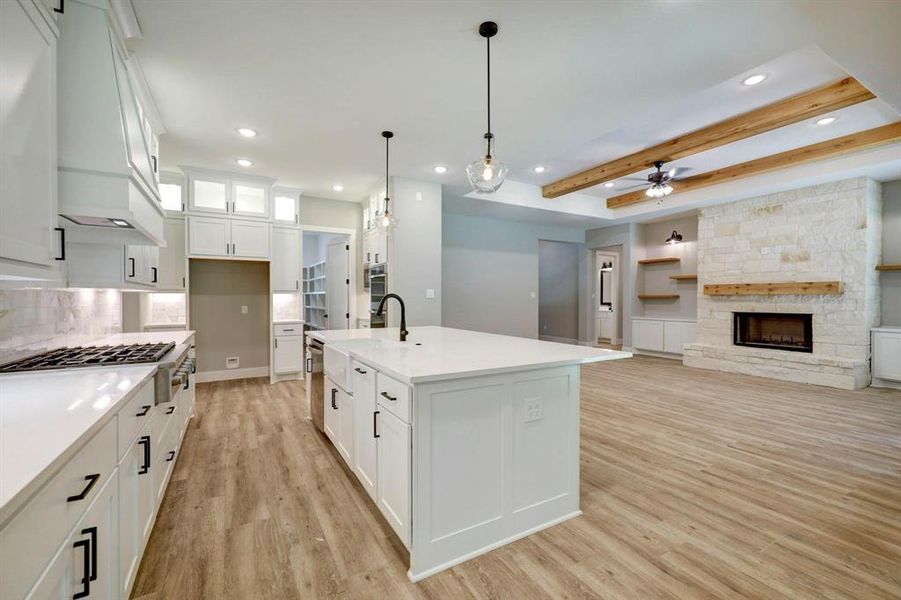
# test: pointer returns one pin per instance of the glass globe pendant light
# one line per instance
(487, 173)
(385, 219)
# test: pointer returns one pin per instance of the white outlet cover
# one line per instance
(243, 309)
(232, 362)
(429, 293)
(534, 409)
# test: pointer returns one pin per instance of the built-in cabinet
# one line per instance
(662, 335)
(172, 258)
(120, 266)
(886, 355)
(225, 237)
(228, 194)
(287, 353)
(286, 271)
(375, 247)
(28, 152)
(285, 205)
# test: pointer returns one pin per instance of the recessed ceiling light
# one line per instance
(247, 132)
(440, 169)
(338, 187)
(754, 79)
(825, 120)
(538, 169)
(244, 162)
(609, 184)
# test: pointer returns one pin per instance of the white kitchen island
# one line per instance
(466, 441)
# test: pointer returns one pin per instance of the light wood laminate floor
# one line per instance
(695, 484)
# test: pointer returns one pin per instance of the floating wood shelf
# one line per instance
(659, 261)
(888, 267)
(684, 277)
(806, 288)
(658, 296)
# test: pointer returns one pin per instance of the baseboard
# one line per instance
(559, 340)
(885, 383)
(656, 354)
(228, 374)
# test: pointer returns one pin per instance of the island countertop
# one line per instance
(438, 353)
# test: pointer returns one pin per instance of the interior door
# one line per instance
(337, 285)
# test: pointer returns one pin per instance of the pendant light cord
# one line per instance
(387, 197)
(488, 61)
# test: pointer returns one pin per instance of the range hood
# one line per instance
(107, 186)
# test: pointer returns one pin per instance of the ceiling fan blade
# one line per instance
(642, 179)
(678, 172)
(633, 187)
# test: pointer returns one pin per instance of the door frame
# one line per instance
(602, 255)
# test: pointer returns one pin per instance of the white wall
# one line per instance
(558, 290)
(490, 273)
(891, 252)
(330, 213)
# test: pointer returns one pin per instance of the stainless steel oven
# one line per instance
(378, 287)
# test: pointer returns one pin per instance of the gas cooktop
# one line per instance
(90, 356)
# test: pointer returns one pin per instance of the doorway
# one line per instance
(558, 291)
(608, 322)
(327, 280)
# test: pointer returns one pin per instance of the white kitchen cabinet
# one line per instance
(285, 205)
(209, 236)
(672, 337)
(28, 152)
(662, 335)
(250, 239)
(379, 247)
(209, 193)
(345, 434)
(118, 266)
(394, 469)
(887, 354)
(137, 145)
(365, 437)
(330, 421)
(87, 565)
(250, 198)
(134, 264)
(647, 335)
(172, 257)
(368, 242)
(166, 430)
(137, 500)
(285, 259)
(287, 356)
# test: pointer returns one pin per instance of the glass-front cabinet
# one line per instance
(250, 198)
(285, 205)
(208, 193)
(228, 194)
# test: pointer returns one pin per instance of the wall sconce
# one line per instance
(674, 238)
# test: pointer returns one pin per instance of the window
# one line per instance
(170, 194)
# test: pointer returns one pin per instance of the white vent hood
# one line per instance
(107, 188)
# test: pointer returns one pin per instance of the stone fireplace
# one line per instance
(827, 232)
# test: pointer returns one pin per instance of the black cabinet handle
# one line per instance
(154, 271)
(62, 7)
(92, 481)
(367, 256)
(86, 580)
(171, 456)
(144, 410)
(376, 257)
(385, 395)
(233, 249)
(92, 531)
(153, 158)
(62, 231)
(310, 364)
(359, 370)
(144, 440)
(375, 430)
(276, 342)
(132, 261)
(334, 395)
(170, 410)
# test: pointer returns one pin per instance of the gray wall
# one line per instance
(490, 273)
(558, 289)
(655, 279)
(218, 290)
(891, 252)
(414, 254)
(330, 213)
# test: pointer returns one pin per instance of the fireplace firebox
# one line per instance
(779, 331)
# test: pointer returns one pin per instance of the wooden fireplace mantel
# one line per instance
(807, 288)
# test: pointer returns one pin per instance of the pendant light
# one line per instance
(487, 173)
(385, 219)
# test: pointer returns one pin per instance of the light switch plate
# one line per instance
(429, 293)
(243, 309)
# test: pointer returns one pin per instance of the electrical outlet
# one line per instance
(534, 409)
(232, 362)
(429, 293)
(243, 309)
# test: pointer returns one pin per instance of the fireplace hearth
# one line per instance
(778, 331)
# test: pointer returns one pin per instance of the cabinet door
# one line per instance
(286, 207)
(887, 355)
(647, 335)
(345, 443)
(134, 264)
(250, 198)
(250, 239)
(87, 565)
(172, 257)
(152, 265)
(367, 248)
(285, 259)
(380, 247)
(288, 355)
(208, 193)
(28, 146)
(689, 334)
(365, 428)
(330, 421)
(208, 236)
(136, 503)
(394, 473)
(165, 433)
(672, 337)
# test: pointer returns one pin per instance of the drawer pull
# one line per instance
(144, 410)
(334, 396)
(170, 410)
(144, 440)
(375, 430)
(309, 365)
(171, 456)
(92, 481)
(90, 561)
(385, 395)
(360, 371)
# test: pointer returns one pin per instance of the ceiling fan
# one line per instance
(660, 181)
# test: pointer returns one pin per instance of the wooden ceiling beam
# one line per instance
(854, 142)
(834, 96)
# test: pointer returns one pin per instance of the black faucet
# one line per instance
(403, 314)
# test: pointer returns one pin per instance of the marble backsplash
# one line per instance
(33, 320)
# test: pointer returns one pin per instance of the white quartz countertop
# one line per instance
(146, 337)
(45, 417)
(446, 353)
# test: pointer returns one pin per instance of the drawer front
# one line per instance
(163, 414)
(337, 367)
(393, 396)
(30, 540)
(134, 416)
(286, 329)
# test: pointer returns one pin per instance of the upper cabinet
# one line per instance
(228, 194)
(250, 198)
(208, 192)
(28, 187)
(285, 205)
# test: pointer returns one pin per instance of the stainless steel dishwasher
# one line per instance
(315, 383)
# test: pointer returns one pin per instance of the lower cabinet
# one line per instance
(365, 428)
(330, 420)
(662, 335)
(887, 355)
(87, 565)
(287, 356)
(166, 429)
(137, 500)
(394, 469)
(345, 437)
